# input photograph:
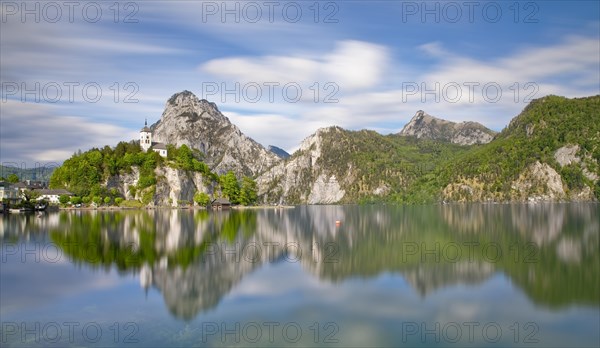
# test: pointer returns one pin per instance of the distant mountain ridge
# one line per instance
(425, 126)
(42, 173)
(281, 153)
(549, 152)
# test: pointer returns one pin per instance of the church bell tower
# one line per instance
(146, 137)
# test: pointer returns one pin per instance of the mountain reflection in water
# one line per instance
(195, 258)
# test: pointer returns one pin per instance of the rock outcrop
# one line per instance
(199, 124)
(302, 179)
(425, 126)
(173, 187)
(539, 182)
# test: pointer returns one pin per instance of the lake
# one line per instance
(524, 275)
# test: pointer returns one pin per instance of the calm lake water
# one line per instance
(454, 275)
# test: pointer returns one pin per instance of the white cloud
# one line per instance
(353, 65)
(568, 68)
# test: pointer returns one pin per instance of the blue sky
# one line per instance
(370, 62)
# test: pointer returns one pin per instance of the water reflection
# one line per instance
(195, 258)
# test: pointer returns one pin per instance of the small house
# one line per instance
(220, 204)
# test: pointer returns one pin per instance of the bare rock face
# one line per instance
(123, 182)
(301, 179)
(173, 186)
(423, 125)
(567, 155)
(199, 124)
(539, 182)
(325, 190)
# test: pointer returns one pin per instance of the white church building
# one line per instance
(146, 141)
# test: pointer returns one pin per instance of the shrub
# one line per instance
(201, 198)
(64, 199)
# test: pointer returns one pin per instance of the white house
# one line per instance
(146, 141)
(52, 196)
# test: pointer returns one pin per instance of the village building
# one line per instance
(147, 144)
(30, 185)
(220, 204)
(52, 196)
(10, 193)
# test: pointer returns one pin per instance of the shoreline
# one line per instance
(115, 208)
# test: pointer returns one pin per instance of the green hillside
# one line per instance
(369, 166)
(543, 127)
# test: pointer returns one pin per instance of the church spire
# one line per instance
(146, 122)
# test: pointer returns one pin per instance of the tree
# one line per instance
(64, 199)
(97, 200)
(185, 157)
(201, 198)
(230, 187)
(76, 200)
(248, 192)
(118, 200)
(107, 200)
(13, 178)
(31, 195)
(573, 175)
(171, 152)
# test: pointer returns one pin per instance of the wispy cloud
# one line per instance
(38, 133)
(353, 65)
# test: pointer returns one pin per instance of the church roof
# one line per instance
(159, 146)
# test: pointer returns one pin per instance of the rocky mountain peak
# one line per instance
(199, 124)
(186, 104)
(423, 125)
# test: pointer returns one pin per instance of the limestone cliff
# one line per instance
(302, 179)
(173, 188)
